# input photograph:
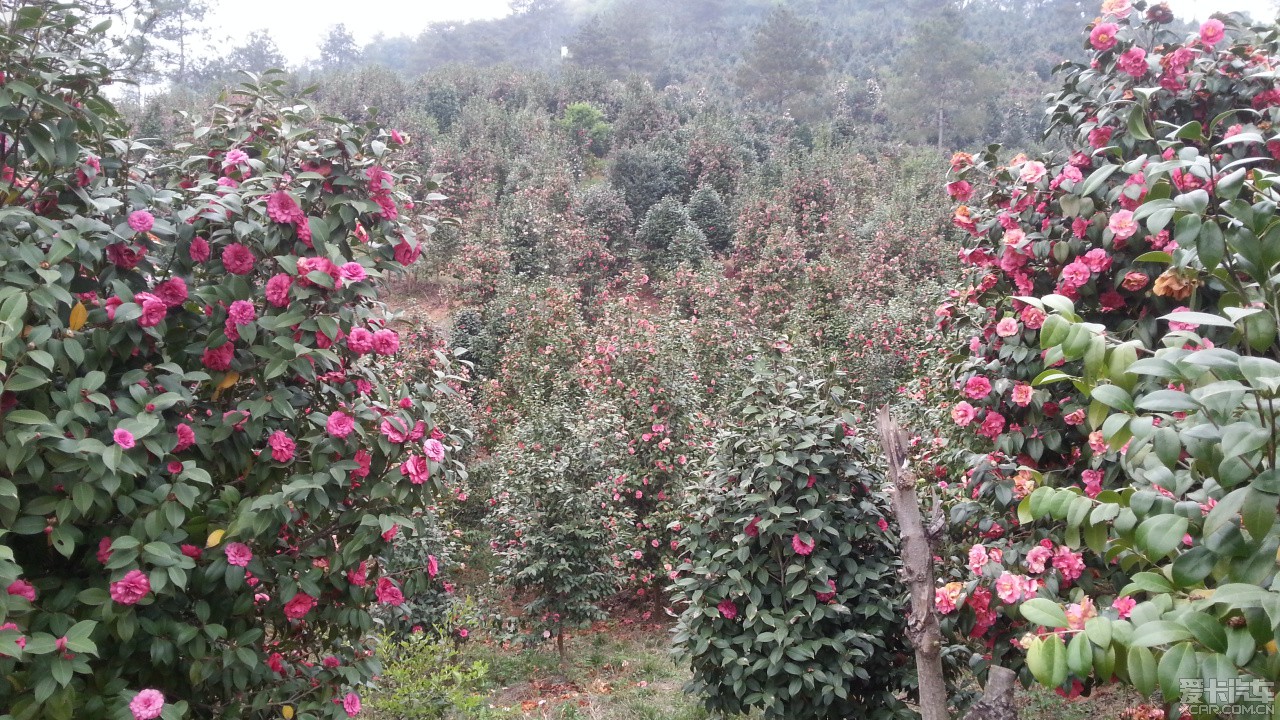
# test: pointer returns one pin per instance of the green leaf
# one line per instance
(1178, 663)
(1047, 660)
(1043, 611)
(1113, 396)
(1159, 632)
(1158, 535)
(1142, 670)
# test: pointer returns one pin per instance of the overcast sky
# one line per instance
(298, 26)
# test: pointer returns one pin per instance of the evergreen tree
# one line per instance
(339, 49)
(708, 212)
(783, 66)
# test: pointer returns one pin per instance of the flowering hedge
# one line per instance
(202, 456)
(1162, 208)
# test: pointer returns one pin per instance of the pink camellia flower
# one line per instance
(386, 342)
(961, 190)
(884, 526)
(1122, 224)
(1100, 136)
(992, 425)
(186, 437)
(388, 592)
(219, 358)
(242, 312)
(1212, 32)
(340, 424)
(434, 450)
(123, 438)
(946, 597)
(282, 208)
(153, 309)
(1097, 260)
(728, 610)
(1007, 327)
(1124, 606)
(394, 429)
(131, 588)
(1133, 61)
(1032, 317)
(1010, 588)
(238, 554)
(278, 289)
(433, 566)
(104, 550)
(331, 662)
(1079, 613)
(1092, 482)
(1069, 563)
(360, 341)
(416, 469)
(23, 589)
(977, 559)
(1037, 558)
(352, 272)
(360, 576)
(963, 413)
(142, 221)
(282, 446)
(1032, 172)
(1076, 274)
(1022, 394)
(238, 259)
(298, 606)
(147, 705)
(351, 704)
(1103, 36)
(398, 138)
(235, 157)
(977, 387)
(800, 546)
(172, 291)
(199, 250)
(1074, 418)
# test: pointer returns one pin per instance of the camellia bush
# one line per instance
(202, 454)
(792, 603)
(1134, 402)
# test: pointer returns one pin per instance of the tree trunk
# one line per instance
(997, 697)
(917, 570)
(940, 126)
(560, 643)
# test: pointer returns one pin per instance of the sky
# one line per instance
(299, 26)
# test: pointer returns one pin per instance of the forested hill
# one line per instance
(950, 74)
(922, 67)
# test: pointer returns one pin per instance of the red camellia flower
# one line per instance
(298, 606)
(388, 592)
(728, 610)
(800, 546)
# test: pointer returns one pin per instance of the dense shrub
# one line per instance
(791, 599)
(645, 174)
(708, 213)
(205, 444)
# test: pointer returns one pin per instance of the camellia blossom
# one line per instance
(728, 610)
(977, 387)
(186, 437)
(282, 208)
(388, 592)
(278, 289)
(1122, 224)
(1022, 394)
(172, 291)
(946, 597)
(800, 546)
(1007, 327)
(131, 588)
(1037, 557)
(416, 469)
(1133, 61)
(1103, 36)
(978, 559)
(386, 342)
(199, 250)
(992, 425)
(123, 438)
(433, 566)
(282, 446)
(1124, 606)
(1212, 32)
(238, 554)
(1092, 482)
(351, 704)
(340, 424)
(1032, 171)
(352, 272)
(298, 606)
(1069, 563)
(434, 450)
(1076, 274)
(1117, 8)
(23, 589)
(147, 704)
(141, 221)
(153, 309)
(963, 413)
(235, 157)
(242, 312)
(238, 259)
